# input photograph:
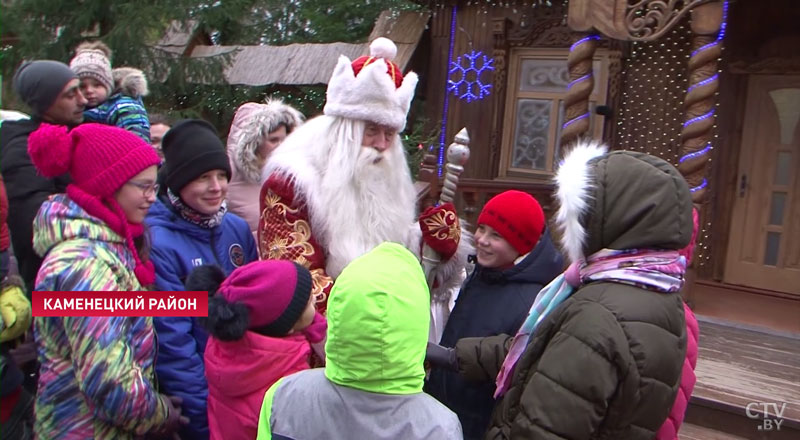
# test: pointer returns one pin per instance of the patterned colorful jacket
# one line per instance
(97, 373)
(124, 108)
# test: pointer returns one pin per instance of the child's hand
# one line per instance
(174, 418)
(317, 330)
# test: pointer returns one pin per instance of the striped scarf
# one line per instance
(195, 217)
(657, 270)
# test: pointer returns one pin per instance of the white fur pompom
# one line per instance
(383, 48)
(573, 184)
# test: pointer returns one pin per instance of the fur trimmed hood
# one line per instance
(620, 200)
(130, 81)
(251, 123)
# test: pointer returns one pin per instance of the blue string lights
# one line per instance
(587, 77)
(465, 76)
(697, 153)
(715, 77)
(704, 82)
(572, 121)
(699, 118)
(702, 185)
(583, 40)
(721, 33)
(446, 105)
(583, 78)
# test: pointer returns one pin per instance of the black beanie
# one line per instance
(192, 148)
(38, 83)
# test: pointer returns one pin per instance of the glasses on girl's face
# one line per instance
(148, 189)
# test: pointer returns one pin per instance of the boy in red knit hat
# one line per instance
(515, 259)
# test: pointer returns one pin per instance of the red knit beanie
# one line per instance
(100, 159)
(517, 217)
(275, 292)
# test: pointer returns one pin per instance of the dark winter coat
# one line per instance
(491, 302)
(606, 363)
(178, 247)
(26, 190)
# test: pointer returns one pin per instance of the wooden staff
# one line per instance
(457, 157)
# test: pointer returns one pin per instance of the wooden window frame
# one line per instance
(513, 94)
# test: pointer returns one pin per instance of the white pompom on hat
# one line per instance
(371, 88)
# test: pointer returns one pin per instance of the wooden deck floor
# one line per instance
(738, 366)
(694, 432)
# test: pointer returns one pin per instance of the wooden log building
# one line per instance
(711, 86)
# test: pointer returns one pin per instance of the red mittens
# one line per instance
(441, 229)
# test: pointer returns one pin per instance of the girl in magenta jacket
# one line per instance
(262, 324)
(669, 430)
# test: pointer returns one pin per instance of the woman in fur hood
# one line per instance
(256, 130)
(114, 95)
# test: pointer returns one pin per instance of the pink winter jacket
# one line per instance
(669, 430)
(239, 374)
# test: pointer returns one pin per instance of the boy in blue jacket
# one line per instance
(191, 227)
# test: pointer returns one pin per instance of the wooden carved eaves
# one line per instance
(629, 20)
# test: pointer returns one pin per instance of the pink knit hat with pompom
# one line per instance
(100, 159)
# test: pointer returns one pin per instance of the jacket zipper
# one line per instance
(214, 250)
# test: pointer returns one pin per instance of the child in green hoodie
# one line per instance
(371, 386)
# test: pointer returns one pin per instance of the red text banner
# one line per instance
(139, 303)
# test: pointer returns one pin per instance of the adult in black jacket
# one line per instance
(515, 259)
(50, 89)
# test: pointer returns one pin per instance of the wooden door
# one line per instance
(764, 245)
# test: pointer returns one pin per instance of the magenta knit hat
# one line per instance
(100, 159)
(275, 293)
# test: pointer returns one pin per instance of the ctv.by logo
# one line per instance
(755, 410)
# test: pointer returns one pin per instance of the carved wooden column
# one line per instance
(500, 54)
(707, 28)
(581, 83)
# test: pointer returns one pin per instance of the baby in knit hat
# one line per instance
(114, 96)
(262, 324)
(515, 258)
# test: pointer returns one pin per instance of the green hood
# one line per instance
(378, 318)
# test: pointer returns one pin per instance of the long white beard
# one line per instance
(363, 202)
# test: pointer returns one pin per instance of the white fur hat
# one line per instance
(371, 88)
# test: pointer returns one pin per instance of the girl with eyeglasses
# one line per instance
(97, 377)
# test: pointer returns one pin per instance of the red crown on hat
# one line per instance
(371, 88)
(381, 48)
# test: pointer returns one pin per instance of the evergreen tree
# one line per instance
(51, 29)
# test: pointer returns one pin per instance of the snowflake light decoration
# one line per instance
(465, 76)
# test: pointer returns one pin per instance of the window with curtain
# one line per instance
(534, 114)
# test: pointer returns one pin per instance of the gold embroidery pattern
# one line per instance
(443, 226)
(283, 239)
(320, 284)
